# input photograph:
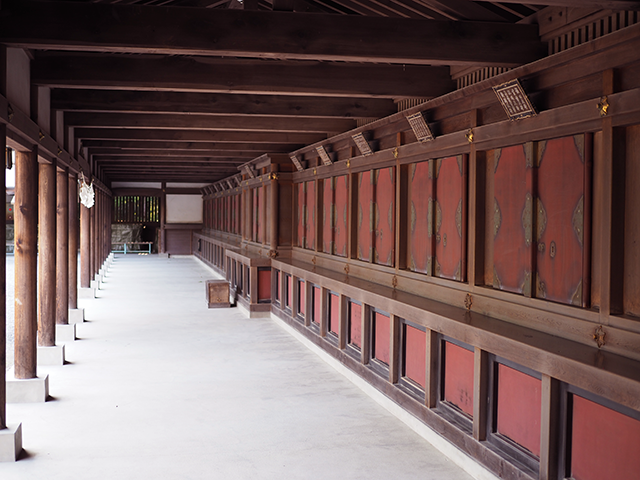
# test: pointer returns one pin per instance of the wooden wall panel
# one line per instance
(302, 297)
(264, 284)
(317, 304)
(631, 300)
(178, 242)
(415, 354)
(519, 406)
(605, 443)
(334, 313)
(341, 213)
(421, 238)
(458, 377)
(289, 287)
(279, 285)
(301, 195)
(512, 215)
(260, 215)
(560, 220)
(310, 217)
(384, 216)
(255, 214)
(365, 201)
(327, 215)
(355, 324)
(450, 218)
(382, 331)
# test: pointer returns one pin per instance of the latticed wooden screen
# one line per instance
(136, 209)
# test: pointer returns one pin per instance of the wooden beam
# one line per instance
(208, 122)
(228, 75)
(189, 146)
(219, 103)
(236, 33)
(604, 4)
(198, 136)
(155, 152)
(100, 159)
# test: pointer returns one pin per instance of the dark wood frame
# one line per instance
(412, 388)
(373, 363)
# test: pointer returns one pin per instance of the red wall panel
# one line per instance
(458, 377)
(519, 407)
(450, 218)
(415, 354)
(420, 230)
(382, 326)
(264, 284)
(289, 290)
(365, 200)
(316, 304)
(327, 215)
(261, 204)
(302, 297)
(341, 209)
(605, 444)
(300, 213)
(334, 314)
(278, 286)
(310, 228)
(355, 325)
(384, 216)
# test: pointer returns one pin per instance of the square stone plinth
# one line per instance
(66, 333)
(51, 355)
(10, 443)
(76, 315)
(30, 390)
(86, 292)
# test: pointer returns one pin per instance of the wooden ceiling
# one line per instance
(187, 90)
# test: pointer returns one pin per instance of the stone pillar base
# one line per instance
(51, 355)
(87, 292)
(30, 390)
(95, 285)
(10, 443)
(66, 333)
(76, 315)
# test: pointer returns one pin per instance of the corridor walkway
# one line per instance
(161, 387)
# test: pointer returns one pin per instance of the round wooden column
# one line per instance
(26, 267)
(92, 241)
(73, 242)
(62, 248)
(85, 247)
(3, 299)
(47, 255)
(273, 215)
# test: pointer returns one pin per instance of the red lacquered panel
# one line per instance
(605, 444)
(382, 337)
(261, 206)
(450, 217)
(365, 212)
(513, 219)
(264, 284)
(310, 240)
(334, 301)
(415, 354)
(458, 377)
(289, 290)
(560, 226)
(327, 216)
(300, 213)
(302, 297)
(316, 304)
(355, 325)
(341, 205)
(254, 194)
(421, 215)
(519, 406)
(384, 216)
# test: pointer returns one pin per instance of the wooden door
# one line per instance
(341, 212)
(310, 218)
(327, 215)
(384, 216)
(365, 212)
(300, 213)
(421, 238)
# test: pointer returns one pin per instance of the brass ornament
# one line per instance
(459, 218)
(578, 220)
(603, 106)
(315, 171)
(41, 135)
(395, 152)
(599, 335)
(527, 220)
(59, 151)
(541, 213)
(346, 270)
(348, 163)
(273, 176)
(468, 301)
(497, 217)
(552, 249)
(314, 260)
(394, 281)
(469, 135)
(273, 253)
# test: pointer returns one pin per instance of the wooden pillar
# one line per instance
(92, 242)
(274, 207)
(431, 368)
(3, 294)
(73, 241)
(47, 255)
(85, 247)
(62, 248)
(550, 428)
(395, 349)
(480, 387)
(163, 215)
(25, 252)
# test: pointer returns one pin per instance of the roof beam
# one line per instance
(218, 104)
(188, 146)
(238, 33)
(215, 75)
(127, 152)
(604, 4)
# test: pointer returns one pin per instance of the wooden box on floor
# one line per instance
(218, 293)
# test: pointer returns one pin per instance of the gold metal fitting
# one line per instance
(395, 152)
(599, 335)
(468, 301)
(469, 135)
(603, 106)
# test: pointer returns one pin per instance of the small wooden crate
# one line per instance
(218, 293)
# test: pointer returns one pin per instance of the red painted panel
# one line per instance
(256, 216)
(384, 216)
(289, 290)
(327, 216)
(355, 325)
(300, 214)
(382, 337)
(458, 377)
(450, 218)
(341, 209)
(513, 210)
(316, 304)
(415, 354)
(421, 231)
(278, 286)
(605, 443)
(519, 407)
(302, 297)
(561, 192)
(238, 215)
(334, 313)
(264, 284)
(365, 200)
(310, 241)
(261, 205)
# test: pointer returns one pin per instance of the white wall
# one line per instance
(184, 209)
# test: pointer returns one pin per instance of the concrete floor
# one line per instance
(161, 387)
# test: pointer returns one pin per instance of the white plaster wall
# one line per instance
(19, 79)
(184, 209)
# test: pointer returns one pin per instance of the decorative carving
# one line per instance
(497, 217)
(419, 126)
(468, 301)
(273, 253)
(514, 100)
(313, 260)
(362, 144)
(599, 335)
(603, 106)
(324, 155)
(315, 171)
(578, 220)
(527, 219)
